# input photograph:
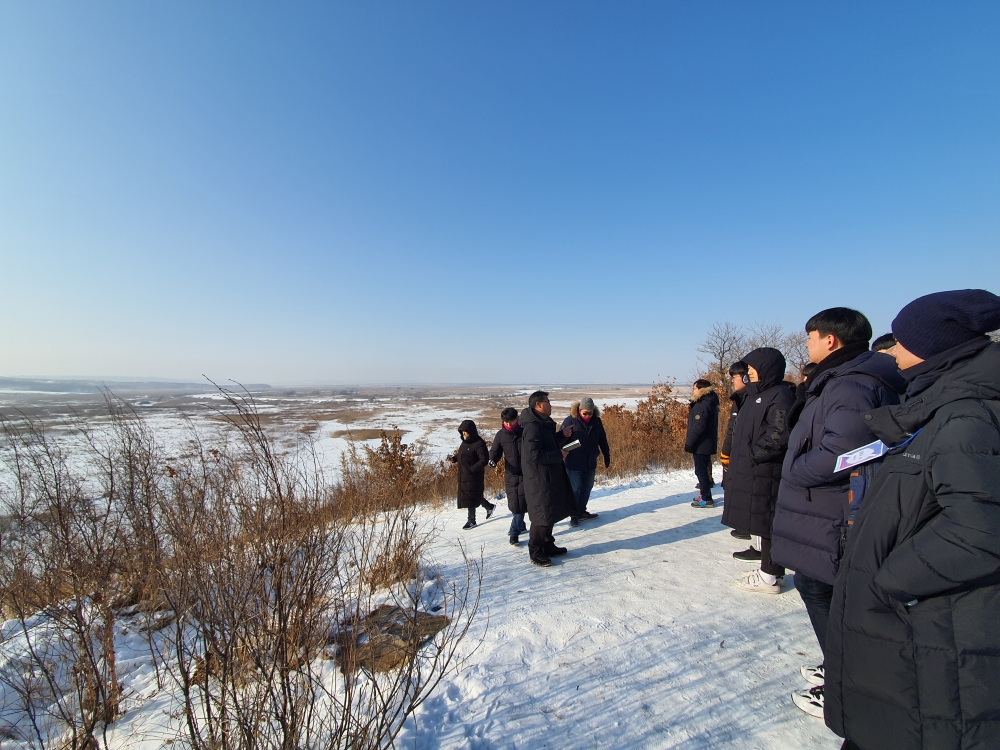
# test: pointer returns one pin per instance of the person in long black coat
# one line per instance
(472, 458)
(760, 438)
(507, 443)
(702, 439)
(913, 642)
(546, 485)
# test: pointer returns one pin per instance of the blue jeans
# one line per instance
(517, 526)
(582, 483)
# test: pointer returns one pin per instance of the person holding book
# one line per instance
(584, 424)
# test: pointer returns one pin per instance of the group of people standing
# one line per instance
(541, 477)
(877, 480)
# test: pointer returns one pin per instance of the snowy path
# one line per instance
(635, 639)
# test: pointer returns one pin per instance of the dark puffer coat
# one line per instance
(703, 423)
(913, 645)
(472, 458)
(546, 485)
(593, 440)
(760, 438)
(810, 518)
(508, 444)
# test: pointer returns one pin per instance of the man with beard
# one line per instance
(508, 444)
(811, 515)
(913, 645)
(760, 438)
(547, 489)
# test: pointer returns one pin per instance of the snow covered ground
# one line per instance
(636, 638)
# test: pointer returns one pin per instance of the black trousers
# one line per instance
(539, 538)
(766, 566)
(472, 509)
(703, 470)
(817, 597)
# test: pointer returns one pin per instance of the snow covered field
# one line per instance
(636, 638)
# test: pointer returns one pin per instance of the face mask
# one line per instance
(586, 419)
(511, 428)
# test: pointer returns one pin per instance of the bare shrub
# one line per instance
(248, 568)
(649, 437)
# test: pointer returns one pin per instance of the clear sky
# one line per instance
(478, 192)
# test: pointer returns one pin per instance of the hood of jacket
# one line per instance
(769, 364)
(574, 411)
(701, 392)
(968, 371)
(530, 416)
(470, 427)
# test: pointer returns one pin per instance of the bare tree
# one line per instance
(724, 344)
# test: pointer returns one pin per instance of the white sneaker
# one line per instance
(753, 581)
(810, 701)
(813, 675)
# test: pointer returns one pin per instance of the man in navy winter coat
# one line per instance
(811, 514)
(702, 439)
(584, 424)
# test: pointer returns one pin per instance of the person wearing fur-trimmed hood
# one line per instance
(702, 439)
(585, 425)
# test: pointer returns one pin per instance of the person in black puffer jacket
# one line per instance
(584, 424)
(471, 458)
(760, 438)
(913, 643)
(702, 438)
(811, 515)
(507, 443)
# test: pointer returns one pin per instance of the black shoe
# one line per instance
(514, 540)
(554, 551)
(574, 521)
(489, 511)
(541, 562)
(586, 516)
(739, 535)
(747, 554)
(469, 525)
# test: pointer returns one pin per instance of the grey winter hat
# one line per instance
(587, 404)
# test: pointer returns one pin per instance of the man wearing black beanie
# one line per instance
(913, 647)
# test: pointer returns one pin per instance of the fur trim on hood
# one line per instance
(702, 392)
(574, 411)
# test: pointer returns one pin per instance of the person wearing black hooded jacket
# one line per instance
(811, 514)
(471, 458)
(913, 643)
(760, 438)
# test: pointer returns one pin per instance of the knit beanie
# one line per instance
(937, 322)
(586, 404)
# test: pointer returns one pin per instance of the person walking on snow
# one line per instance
(811, 514)
(760, 438)
(471, 458)
(913, 643)
(546, 485)
(584, 424)
(702, 439)
(507, 443)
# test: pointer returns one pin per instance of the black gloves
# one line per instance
(607, 461)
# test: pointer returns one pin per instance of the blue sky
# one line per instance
(479, 192)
